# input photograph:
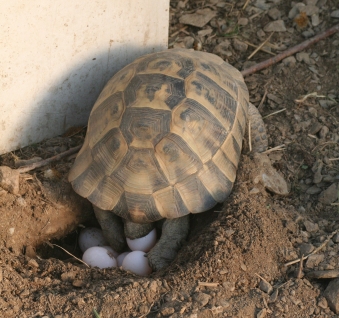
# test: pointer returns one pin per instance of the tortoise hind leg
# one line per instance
(258, 132)
(174, 233)
(112, 228)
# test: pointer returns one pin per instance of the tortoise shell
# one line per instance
(164, 137)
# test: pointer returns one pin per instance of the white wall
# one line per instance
(56, 56)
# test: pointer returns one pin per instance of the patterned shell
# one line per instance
(164, 137)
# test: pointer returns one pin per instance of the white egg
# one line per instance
(100, 257)
(91, 236)
(137, 263)
(111, 250)
(144, 243)
(121, 258)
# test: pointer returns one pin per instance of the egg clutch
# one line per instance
(97, 253)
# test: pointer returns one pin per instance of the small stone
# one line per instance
(311, 227)
(275, 26)
(33, 263)
(304, 57)
(274, 296)
(265, 286)
(314, 260)
(78, 283)
(198, 19)
(335, 14)
(9, 179)
(223, 49)
(309, 9)
(333, 273)
(254, 191)
(239, 45)
(275, 98)
(68, 276)
(323, 132)
(313, 190)
(201, 298)
(243, 21)
(335, 238)
(315, 19)
(329, 195)
(322, 303)
(167, 310)
(274, 14)
(332, 295)
(295, 10)
(289, 61)
(205, 32)
(305, 249)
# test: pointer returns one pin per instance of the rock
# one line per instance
(268, 176)
(275, 26)
(305, 249)
(205, 32)
(167, 310)
(304, 57)
(332, 295)
(274, 14)
(222, 49)
(322, 303)
(295, 10)
(329, 195)
(198, 19)
(333, 273)
(311, 227)
(313, 190)
(309, 9)
(275, 98)
(274, 296)
(239, 45)
(9, 179)
(243, 21)
(265, 286)
(314, 260)
(289, 61)
(315, 19)
(335, 238)
(201, 298)
(323, 132)
(335, 14)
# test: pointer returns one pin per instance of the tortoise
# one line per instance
(164, 140)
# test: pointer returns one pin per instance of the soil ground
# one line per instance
(234, 261)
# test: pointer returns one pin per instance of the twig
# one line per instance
(262, 278)
(208, 284)
(261, 49)
(48, 160)
(277, 148)
(300, 271)
(245, 5)
(314, 94)
(249, 135)
(260, 46)
(292, 50)
(315, 251)
(180, 30)
(263, 99)
(277, 112)
(68, 253)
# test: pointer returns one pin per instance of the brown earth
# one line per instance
(233, 264)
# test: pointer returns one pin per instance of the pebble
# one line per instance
(265, 286)
(289, 61)
(167, 310)
(313, 190)
(275, 26)
(309, 9)
(201, 298)
(335, 14)
(239, 45)
(315, 19)
(323, 132)
(332, 295)
(326, 274)
(310, 226)
(275, 98)
(295, 10)
(274, 14)
(262, 313)
(322, 303)
(305, 248)
(314, 260)
(329, 195)
(198, 19)
(304, 57)
(243, 21)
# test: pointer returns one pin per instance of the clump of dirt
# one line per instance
(240, 260)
